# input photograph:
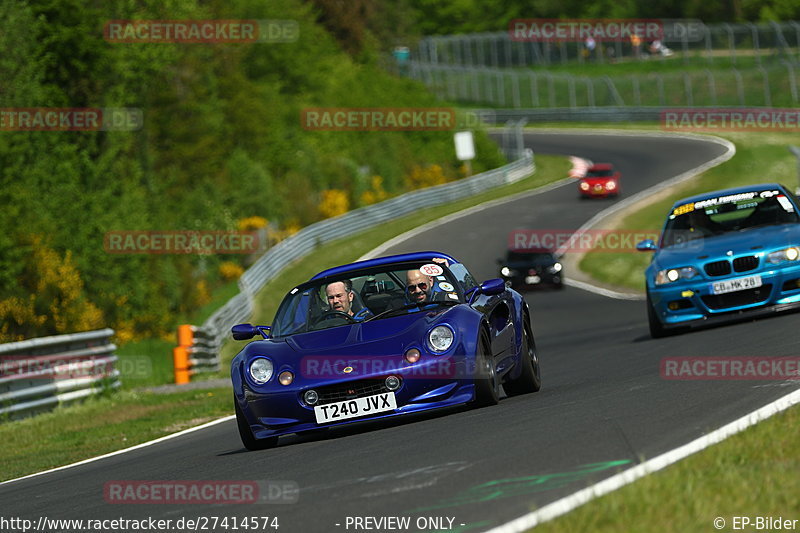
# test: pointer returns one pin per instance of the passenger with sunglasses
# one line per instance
(418, 286)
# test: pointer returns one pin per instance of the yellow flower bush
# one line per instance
(252, 223)
(56, 303)
(376, 193)
(229, 270)
(334, 203)
(429, 176)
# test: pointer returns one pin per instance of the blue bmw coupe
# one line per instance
(724, 255)
(381, 338)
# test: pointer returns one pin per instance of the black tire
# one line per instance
(249, 441)
(530, 379)
(487, 384)
(657, 329)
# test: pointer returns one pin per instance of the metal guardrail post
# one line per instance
(38, 374)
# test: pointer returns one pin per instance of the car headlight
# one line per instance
(555, 268)
(789, 254)
(672, 275)
(440, 338)
(261, 370)
(610, 185)
(505, 271)
(584, 186)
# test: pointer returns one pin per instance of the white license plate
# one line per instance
(378, 403)
(738, 284)
(532, 279)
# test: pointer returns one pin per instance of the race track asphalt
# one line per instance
(603, 405)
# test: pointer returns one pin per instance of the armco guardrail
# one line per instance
(38, 374)
(240, 307)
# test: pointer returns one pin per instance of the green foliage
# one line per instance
(221, 141)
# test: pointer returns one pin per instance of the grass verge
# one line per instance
(101, 425)
(118, 420)
(749, 474)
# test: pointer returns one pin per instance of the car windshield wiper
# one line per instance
(406, 307)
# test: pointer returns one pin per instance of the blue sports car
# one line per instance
(723, 255)
(381, 338)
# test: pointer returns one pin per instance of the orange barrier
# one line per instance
(180, 354)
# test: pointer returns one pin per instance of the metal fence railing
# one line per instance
(239, 308)
(38, 374)
(775, 85)
(710, 43)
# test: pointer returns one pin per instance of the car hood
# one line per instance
(386, 336)
(738, 243)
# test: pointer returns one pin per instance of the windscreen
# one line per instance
(724, 214)
(366, 295)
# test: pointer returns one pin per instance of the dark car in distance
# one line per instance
(531, 269)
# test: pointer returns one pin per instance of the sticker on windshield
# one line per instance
(431, 270)
(785, 203)
(446, 287)
(452, 295)
(440, 260)
(683, 209)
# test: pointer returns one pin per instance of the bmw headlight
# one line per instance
(674, 274)
(505, 271)
(261, 370)
(555, 268)
(440, 338)
(789, 254)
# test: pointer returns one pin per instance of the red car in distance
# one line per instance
(600, 180)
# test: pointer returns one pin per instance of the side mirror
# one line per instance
(647, 245)
(243, 332)
(493, 286)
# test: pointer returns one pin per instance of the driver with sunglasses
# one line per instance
(418, 286)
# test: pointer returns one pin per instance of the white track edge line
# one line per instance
(568, 503)
(124, 450)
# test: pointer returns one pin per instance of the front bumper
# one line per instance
(692, 302)
(282, 411)
(537, 280)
